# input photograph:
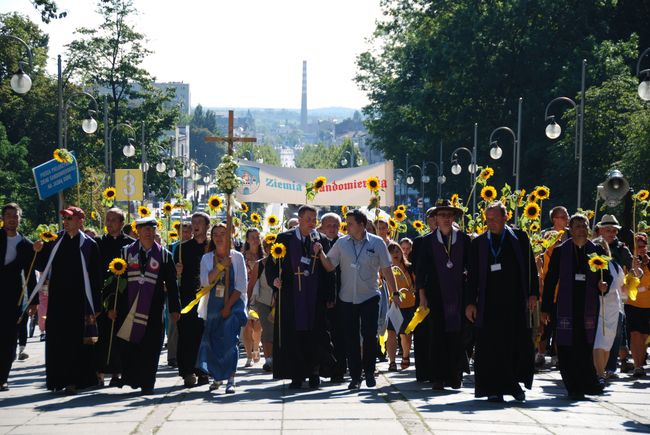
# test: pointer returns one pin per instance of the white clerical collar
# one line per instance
(299, 235)
(454, 235)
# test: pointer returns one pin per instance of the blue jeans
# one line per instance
(361, 317)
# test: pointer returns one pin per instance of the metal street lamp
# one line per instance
(20, 82)
(399, 178)
(472, 168)
(644, 76)
(553, 130)
(496, 152)
(128, 150)
(88, 125)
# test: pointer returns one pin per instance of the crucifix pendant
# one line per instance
(300, 274)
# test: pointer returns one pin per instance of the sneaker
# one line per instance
(230, 389)
(22, 356)
(638, 372)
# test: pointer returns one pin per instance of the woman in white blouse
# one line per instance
(223, 309)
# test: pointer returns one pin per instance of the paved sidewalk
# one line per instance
(398, 405)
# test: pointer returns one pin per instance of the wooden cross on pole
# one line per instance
(230, 140)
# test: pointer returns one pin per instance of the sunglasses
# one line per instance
(68, 218)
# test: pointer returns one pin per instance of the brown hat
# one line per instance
(73, 211)
(446, 205)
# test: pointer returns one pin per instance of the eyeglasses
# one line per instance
(68, 218)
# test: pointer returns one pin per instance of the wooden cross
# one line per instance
(300, 274)
(230, 140)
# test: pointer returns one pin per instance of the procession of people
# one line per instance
(332, 296)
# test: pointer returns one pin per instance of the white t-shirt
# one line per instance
(12, 244)
(239, 268)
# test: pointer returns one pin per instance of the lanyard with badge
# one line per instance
(495, 267)
(355, 265)
(579, 275)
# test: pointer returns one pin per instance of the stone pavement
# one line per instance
(398, 405)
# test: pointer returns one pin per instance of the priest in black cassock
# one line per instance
(16, 255)
(305, 288)
(110, 247)
(73, 266)
(151, 277)
(421, 333)
(502, 292)
(441, 278)
(187, 257)
(575, 305)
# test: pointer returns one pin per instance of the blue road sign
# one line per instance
(52, 177)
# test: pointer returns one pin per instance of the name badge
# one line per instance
(305, 260)
(495, 267)
(354, 266)
(581, 277)
(221, 290)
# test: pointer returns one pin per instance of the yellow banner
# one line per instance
(128, 183)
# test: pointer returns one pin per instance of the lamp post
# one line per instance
(128, 150)
(553, 130)
(410, 180)
(644, 76)
(88, 125)
(456, 169)
(344, 160)
(399, 178)
(440, 177)
(496, 152)
(20, 82)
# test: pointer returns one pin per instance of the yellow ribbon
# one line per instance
(204, 290)
(632, 283)
(418, 317)
(382, 341)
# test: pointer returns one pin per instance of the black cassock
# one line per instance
(12, 285)
(421, 338)
(444, 289)
(139, 361)
(300, 323)
(190, 326)
(504, 353)
(68, 361)
(334, 339)
(109, 248)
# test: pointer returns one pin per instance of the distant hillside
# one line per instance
(338, 113)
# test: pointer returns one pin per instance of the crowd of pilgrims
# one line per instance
(320, 310)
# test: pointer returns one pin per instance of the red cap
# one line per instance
(73, 211)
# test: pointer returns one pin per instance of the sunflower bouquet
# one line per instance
(47, 233)
(600, 263)
(62, 155)
(313, 187)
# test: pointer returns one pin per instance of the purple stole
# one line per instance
(304, 301)
(483, 266)
(451, 280)
(565, 296)
(142, 287)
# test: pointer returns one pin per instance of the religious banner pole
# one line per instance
(227, 182)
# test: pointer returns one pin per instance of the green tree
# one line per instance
(259, 151)
(14, 171)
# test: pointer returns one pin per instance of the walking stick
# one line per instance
(110, 341)
(602, 302)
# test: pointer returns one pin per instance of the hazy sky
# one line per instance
(240, 53)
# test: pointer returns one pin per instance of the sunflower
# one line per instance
(399, 215)
(372, 183)
(597, 262)
(62, 155)
(454, 200)
(270, 238)
(272, 220)
(176, 225)
(168, 208)
(117, 266)
(133, 228)
(172, 234)
(418, 225)
(256, 218)
(520, 198)
(105, 230)
(488, 193)
(344, 228)
(509, 215)
(179, 205)
(344, 210)
(109, 193)
(401, 207)
(486, 173)
(534, 227)
(542, 193)
(244, 207)
(48, 236)
(533, 197)
(215, 203)
(590, 214)
(144, 211)
(319, 182)
(532, 210)
(160, 224)
(642, 195)
(93, 215)
(278, 251)
(392, 223)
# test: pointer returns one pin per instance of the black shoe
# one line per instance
(354, 385)
(116, 382)
(576, 396)
(70, 390)
(4, 387)
(496, 398)
(172, 363)
(296, 384)
(314, 381)
(202, 380)
(147, 391)
(267, 367)
(42, 337)
(370, 381)
(336, 379)
(438, 386)
(520, 396)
